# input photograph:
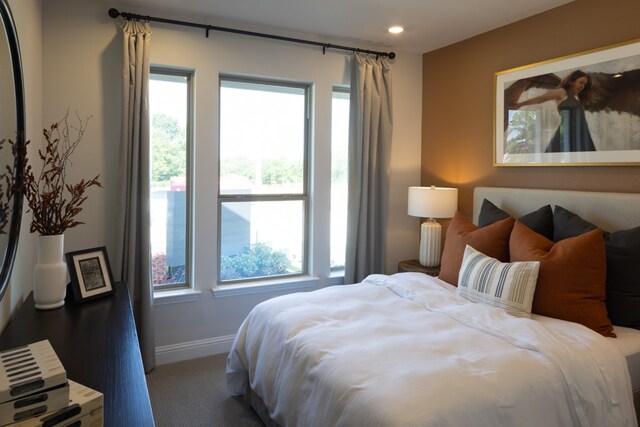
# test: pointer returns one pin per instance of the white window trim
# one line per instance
(278, 284)
(162, 297)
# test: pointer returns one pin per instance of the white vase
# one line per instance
(50, 276)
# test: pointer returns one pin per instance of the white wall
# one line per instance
(82, 68)
(27, 15)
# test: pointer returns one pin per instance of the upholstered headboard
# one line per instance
(609, 211)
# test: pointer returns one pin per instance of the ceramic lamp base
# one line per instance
(430, 232)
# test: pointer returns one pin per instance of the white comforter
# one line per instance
(405, 350)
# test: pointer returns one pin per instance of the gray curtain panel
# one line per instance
(370, 131)
(134, 260)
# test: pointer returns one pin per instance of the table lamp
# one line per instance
(431, 202)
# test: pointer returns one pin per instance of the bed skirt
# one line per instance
(261, 409)
(257, 404)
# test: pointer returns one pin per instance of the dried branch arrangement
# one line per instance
(54, 203)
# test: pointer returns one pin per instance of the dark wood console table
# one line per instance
(97, 344)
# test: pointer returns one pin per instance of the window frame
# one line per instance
(189, 75)
(304, 196)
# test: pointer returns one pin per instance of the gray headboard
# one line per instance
(609, 211)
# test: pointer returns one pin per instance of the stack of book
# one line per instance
(35, 391)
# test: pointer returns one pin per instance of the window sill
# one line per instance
(297, 284)
(175, 296)
(336, 278)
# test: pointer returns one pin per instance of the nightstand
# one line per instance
(413, 265)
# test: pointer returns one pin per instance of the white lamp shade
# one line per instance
(432, 202)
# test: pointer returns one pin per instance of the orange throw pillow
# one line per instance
(492, 240)
(572, 276)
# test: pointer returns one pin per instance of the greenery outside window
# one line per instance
(263, 199)
(170, 115)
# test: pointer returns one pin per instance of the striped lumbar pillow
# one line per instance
(509, 286)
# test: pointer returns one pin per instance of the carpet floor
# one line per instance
(193, 393)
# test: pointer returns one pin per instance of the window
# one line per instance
(339, 175)
(524, 126)
(263, 179)
(169, 101)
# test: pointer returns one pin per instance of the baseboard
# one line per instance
(193, 349)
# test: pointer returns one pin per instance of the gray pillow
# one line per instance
(540, 221)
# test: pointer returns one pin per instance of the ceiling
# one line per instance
(429, 24)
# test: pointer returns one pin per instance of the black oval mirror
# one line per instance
(12, 127)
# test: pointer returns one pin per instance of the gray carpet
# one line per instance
(193, 393)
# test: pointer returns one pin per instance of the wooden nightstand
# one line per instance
(413, 265)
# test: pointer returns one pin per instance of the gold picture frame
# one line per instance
(578, 110)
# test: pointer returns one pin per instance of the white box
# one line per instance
(28, 370)
(35, 404)
(85, 405)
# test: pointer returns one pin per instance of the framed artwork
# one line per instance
(578, 110)
(90, 273)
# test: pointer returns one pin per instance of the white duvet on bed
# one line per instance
(405, 350)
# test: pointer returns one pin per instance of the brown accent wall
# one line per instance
(458, 84)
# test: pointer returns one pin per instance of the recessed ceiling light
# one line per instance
(396, 29)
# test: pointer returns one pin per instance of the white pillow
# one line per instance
(507, 285)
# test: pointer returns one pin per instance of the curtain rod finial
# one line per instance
(113, 12)
(392, 55)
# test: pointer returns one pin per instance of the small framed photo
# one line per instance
(90, 273)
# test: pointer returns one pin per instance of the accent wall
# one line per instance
(458, 99)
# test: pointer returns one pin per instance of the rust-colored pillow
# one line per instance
(492, 240)
(572, 276)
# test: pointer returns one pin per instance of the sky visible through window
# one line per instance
(275, 129)
(339, 176)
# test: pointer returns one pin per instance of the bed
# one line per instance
(411, 349)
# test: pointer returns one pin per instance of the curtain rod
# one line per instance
(114, 13)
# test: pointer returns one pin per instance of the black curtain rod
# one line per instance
(114, 13)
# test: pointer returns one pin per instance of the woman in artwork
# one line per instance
(573, 133)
